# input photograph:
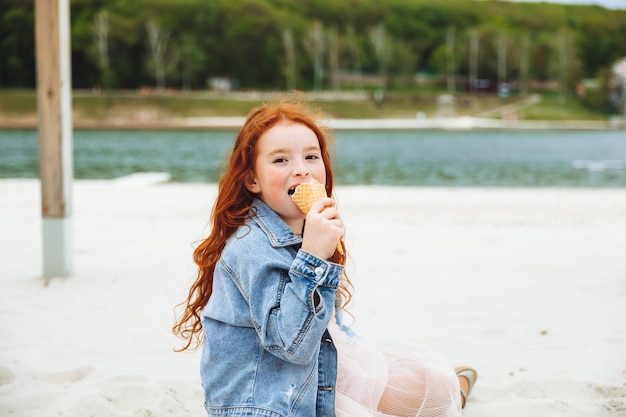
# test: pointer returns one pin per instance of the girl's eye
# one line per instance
(279, 160)
(313, 157)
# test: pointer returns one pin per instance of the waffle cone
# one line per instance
(306, 194)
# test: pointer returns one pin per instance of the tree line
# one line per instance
(320, 44)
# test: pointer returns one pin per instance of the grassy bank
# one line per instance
(142, 106)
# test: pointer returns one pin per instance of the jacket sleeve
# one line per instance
(290, 304)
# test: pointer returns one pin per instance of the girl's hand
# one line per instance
(323, 229)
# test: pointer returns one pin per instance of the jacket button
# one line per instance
(319, 271)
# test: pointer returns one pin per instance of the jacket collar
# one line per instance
(277, 231)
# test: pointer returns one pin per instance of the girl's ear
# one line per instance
(252, 185)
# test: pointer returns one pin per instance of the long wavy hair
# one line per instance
(233, 203)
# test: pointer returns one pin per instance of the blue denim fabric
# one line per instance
(267, 350)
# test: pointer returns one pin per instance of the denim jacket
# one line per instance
(267, 350)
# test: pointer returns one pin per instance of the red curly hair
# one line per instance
(233, 203)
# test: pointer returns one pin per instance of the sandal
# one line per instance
(471, 375)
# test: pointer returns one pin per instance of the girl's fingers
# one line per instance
(322, 204)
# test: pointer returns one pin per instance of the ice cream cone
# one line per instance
(306, 194)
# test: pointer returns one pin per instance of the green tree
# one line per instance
(243, 40)
(17, 44)
(253, 38)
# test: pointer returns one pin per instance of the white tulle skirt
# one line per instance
(376, 380)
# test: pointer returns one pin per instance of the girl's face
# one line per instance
(287, 155)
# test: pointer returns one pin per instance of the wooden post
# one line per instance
(54, 106)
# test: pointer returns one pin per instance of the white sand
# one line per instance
(527, 285)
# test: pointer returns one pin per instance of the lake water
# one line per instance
(416, 158)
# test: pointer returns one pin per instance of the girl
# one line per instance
(269, 294)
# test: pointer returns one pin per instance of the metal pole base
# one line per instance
(57, 246)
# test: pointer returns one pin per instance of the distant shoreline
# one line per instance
(234, 123)
(344, 110)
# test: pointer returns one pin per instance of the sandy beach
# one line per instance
(526, 285)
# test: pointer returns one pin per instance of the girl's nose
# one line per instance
(300, 169)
